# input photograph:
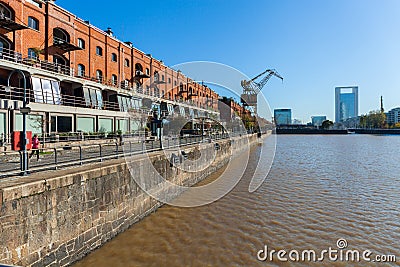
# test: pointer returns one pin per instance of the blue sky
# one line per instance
(315, 44)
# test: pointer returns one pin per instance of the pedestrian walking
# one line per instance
(35, 147)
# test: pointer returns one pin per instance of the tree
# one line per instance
(327, 124)
(376, 119)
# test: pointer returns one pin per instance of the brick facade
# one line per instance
(116, 66)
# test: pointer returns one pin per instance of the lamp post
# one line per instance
(24, 110)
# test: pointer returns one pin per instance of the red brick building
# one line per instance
(88, 67)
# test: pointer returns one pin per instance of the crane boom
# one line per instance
(252, 88)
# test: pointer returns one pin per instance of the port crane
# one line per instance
(251, 88)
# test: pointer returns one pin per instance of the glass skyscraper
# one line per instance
(346, 103)
(283, 116)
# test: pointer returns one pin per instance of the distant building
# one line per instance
(393, 116)
(283, 116)
(346, 103)
(318, 120)
(230, 109)
(296, 122)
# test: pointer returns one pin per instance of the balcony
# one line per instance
(16, 57)
(10, 25)
(64, 44)
(12, 56)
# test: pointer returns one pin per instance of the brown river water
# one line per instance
(320, 189)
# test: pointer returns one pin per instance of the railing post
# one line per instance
(55, 158)
(116, 149)
(143, 147)
(80, 155)
(20, 162)
(101, 154)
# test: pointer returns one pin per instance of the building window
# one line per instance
(4, 44)
(5, 12)
(60, 36)
(169, 80)
(32, 53)
(81, 43)
(99, 75)
(33, 23)
(99, 51)
(147, 71)
(138, 67)
(126, 63)
(59, 60)
(81, 70)
(162, 78)
(114, 57)
(114, 79)
(174, 83)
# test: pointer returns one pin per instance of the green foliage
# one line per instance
(327, 124)
(374, 119)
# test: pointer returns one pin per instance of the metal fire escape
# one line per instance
(252, 88)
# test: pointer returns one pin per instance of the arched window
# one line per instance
(114, 79)
(81, 43)
(59, 60)
(81, 70)
(5, 12)
(147, 71)
(33, 23)
(99, 75)
(114, 57)
(4, 43)
(60, 36)
(138, 67)
(156, 76)
(126, 62)
(169, 80)
(99, 51)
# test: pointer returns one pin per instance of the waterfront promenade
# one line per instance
(57, 217)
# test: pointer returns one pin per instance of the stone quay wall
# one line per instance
(55, 218)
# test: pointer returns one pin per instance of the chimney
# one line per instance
(109, 31)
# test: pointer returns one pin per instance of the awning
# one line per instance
(140, 75)
(10, 25)
(67, 47)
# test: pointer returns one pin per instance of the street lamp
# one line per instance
(24, 110)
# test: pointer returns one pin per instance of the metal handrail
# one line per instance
(75, 155)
